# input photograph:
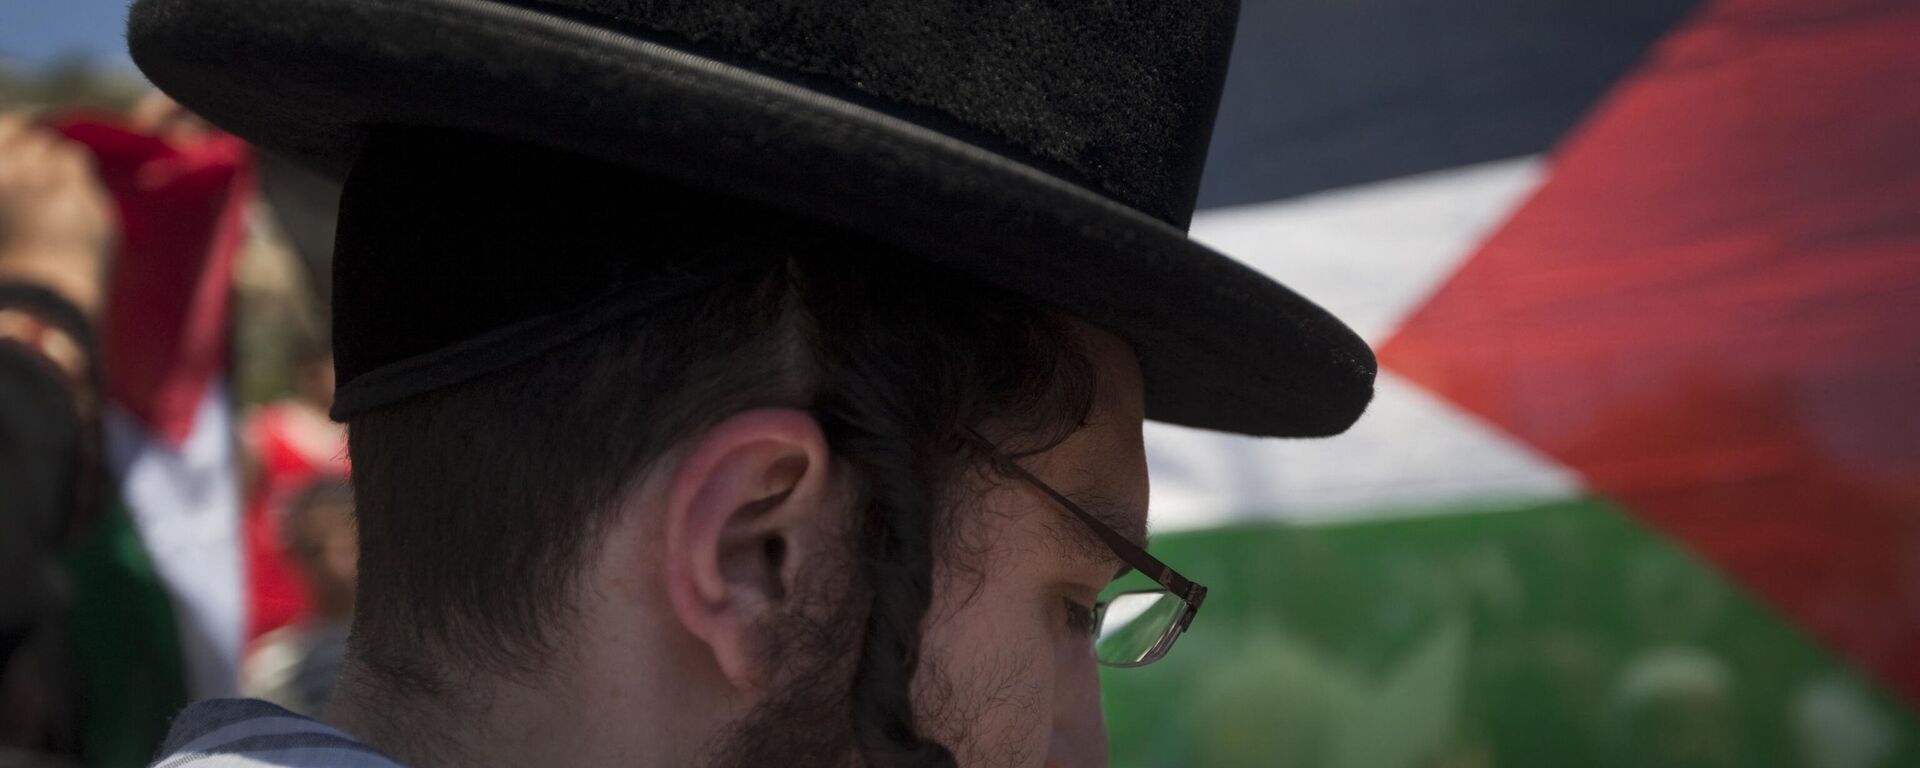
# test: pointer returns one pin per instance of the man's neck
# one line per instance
(570, 719)
(415, 730)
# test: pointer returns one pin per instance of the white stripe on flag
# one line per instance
(186, 505)
(1412, 453)
(1370, 254)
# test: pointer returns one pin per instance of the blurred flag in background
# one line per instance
(1642, 483)
(157, 609)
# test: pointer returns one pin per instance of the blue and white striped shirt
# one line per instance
(249, 733)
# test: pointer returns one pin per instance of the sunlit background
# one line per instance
(1641, 486)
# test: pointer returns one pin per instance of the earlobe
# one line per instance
(741, 511)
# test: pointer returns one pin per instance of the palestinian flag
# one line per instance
(1641, 486)
(156, 617)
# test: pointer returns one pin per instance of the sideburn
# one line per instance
(810, 651)
(807, 717)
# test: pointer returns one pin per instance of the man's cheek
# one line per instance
(1000, 709)
(1079, 735)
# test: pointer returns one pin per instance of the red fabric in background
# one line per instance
(182, 214)
(182, 220)
(1711, 309)
(276, 594)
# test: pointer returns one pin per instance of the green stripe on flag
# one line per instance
(125, 645)
(1560, 635)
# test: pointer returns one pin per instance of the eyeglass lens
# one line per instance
(1131, 627)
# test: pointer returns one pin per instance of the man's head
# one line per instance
(753, 515)
(697, 445)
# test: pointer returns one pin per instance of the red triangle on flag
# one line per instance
(181, 205)
(1711, 310)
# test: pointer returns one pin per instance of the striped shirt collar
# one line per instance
(249, 733)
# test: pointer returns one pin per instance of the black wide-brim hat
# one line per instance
(1051, 149)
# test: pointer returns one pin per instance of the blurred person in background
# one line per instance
(290, 445)
(56, 231)
(295, 666)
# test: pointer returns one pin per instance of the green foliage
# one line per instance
(68, 84)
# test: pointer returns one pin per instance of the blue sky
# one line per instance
(36, 32)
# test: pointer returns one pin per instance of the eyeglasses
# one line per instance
(1130, 629)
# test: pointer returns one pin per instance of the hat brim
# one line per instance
(1221, 346)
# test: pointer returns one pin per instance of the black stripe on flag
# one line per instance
(1330, 94)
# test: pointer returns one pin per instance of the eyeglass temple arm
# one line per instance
(1129, 552)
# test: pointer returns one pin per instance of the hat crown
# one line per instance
(1049, 148)
(1117, 96)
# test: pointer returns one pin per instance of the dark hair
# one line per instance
(479, 503)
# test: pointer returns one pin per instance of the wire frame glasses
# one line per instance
(1130, 629)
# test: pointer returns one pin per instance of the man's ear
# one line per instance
(745, 510)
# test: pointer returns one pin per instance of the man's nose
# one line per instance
(1079, 727)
